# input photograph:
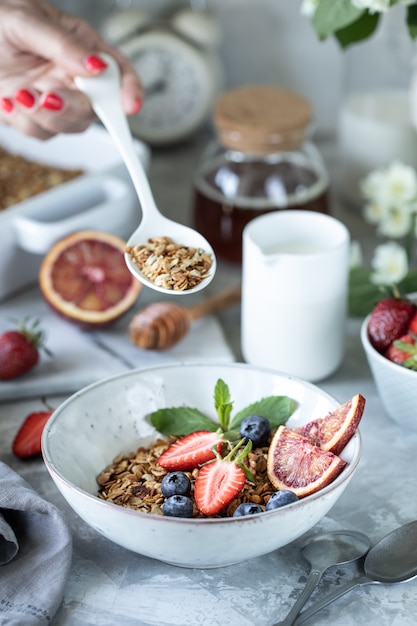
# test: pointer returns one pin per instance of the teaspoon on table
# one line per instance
(103, 92)
(324, 551)
(392, 560)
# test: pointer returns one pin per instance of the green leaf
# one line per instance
(363, 294)
(276, 409)
(223, 403)
(359, 30)
(409, 283)
(179, 421)
(412, 20)
(333, 15)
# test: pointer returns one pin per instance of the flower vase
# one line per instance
(375, 125)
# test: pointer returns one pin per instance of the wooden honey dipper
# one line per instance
(161, 325)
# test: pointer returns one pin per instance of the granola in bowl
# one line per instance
(109, 419)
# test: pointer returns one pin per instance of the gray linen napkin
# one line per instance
(35, 554)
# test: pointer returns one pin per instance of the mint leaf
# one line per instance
(179, 421)
(223, 403)
(332, 15)
(276, 409)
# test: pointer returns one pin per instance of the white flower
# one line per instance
(397, 222)
(375, 213)
(400, 183)
(392, 186)
(373, 6)
(389, 263)
(309, 7)
(355, 256)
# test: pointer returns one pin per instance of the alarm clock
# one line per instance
(179, 66)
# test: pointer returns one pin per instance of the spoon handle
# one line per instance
(334, 595)
(313, 580)
(104, 94)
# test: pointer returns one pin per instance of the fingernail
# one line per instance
(52, 101)
(6, 104)
(25, 98)
(136, 107)
(95, 64)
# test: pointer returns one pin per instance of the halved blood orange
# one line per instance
(296, 464)
(334, 431)
(84, 278)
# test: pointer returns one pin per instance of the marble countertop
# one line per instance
(109, 585)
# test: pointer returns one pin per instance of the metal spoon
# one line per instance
(322, 552)
(392, 560)
(103, 92)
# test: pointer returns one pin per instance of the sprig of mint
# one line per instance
(180, 421)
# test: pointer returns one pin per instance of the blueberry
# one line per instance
(247, 508)
(178, 506)
(256, 428)
(175, 484)
(280, 498)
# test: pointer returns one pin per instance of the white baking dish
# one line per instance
(101, 199)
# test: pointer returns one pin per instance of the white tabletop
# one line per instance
(109, 585)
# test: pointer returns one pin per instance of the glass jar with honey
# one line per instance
(260, 161)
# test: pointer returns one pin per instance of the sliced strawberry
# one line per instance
(191, 451)
(27, 442)
(217, 484)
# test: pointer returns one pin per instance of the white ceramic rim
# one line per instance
(345, 475)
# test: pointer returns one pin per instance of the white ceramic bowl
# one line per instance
(107, 418)
(396, 385)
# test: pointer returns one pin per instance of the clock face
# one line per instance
(179, 87)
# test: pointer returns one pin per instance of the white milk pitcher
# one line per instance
(294, 292)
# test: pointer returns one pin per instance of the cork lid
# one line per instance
(261, 118)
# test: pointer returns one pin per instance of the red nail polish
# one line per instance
(6, 104)
(52, 102)
(25, 98)
(95, 64)
(137, 105)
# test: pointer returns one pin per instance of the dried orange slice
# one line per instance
(296, 464)
(84, 278)
(334, 431)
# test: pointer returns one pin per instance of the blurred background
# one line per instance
(264, 41)
(273, 42)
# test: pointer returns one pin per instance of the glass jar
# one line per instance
(260, 161)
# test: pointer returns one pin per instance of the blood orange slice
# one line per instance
(296, 464)
(335, 430)
(84, 278)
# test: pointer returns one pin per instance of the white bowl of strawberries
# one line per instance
(203, 465)
(389, 339)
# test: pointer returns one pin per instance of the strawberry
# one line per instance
(412, 327)
(403, 351)
(388, 321)
(220, 481)
(191, 451)
(27, 442)
(19, 350)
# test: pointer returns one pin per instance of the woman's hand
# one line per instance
(41, 50)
